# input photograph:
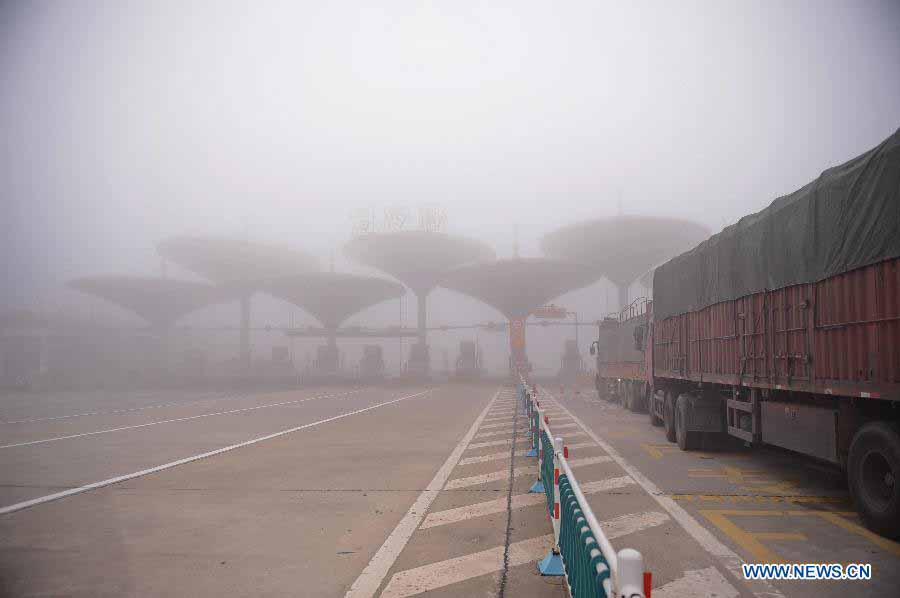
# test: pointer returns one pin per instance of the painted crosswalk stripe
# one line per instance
(368, 582)
(507, 424)
(505, 418)
(505, 454)
(700, 583)
(727, 557)
(492, 507)
(494, 433)
(478, 445)
(444, 573)
(486, 478)
(490, 457)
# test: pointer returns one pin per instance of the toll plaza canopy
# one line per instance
(332, 297)
(624, 247)
(518, 286)
(416, 258)
(845, 219)
(159, 301)
(234, 261)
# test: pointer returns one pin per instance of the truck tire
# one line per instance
(687, 441)
(669, 416)
(654, 421)
(873, 474)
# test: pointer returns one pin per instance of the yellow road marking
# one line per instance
(750, 541)
(758, 498)
(657, 451)
(838, 519)
(734, 475)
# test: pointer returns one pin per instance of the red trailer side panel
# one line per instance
(839, 336)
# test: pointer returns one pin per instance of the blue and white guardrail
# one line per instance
(581, 551)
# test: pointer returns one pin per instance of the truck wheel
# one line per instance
(687, 441)
(873, 474)
(654, 421)
(669, 416)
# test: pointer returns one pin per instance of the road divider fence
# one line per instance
(581, 551)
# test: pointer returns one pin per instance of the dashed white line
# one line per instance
(371, 577)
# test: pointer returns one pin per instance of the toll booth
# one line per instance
(469, 363)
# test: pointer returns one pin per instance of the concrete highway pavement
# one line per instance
(296, 514)
(394, 492)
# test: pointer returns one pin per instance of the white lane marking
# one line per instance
(507, 424)
(491, 507)
(506, 418)
(494, 433)
(478, 445)
(490, 457)
(171, 421)
(518, 471)
(437, 575)
(366, 585)
(729, 559)
(486, 478)
(699, 583)
(626, 524)
(444, 573)
(578, 445)
(130, 476)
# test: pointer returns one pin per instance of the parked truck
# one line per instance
(783, 330)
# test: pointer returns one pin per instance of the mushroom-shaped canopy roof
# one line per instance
(518, 286)
(416, 258)
(159, 301)
(623, 248)
(332, 297)
(234, 261)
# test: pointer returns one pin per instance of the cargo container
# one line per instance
(620, 357)
(784, 330)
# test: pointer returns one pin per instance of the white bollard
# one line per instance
(630, 578)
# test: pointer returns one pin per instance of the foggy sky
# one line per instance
(126, 122)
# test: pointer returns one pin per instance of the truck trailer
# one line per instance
(784, 330)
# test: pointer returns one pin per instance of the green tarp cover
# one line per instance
(847, 218)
